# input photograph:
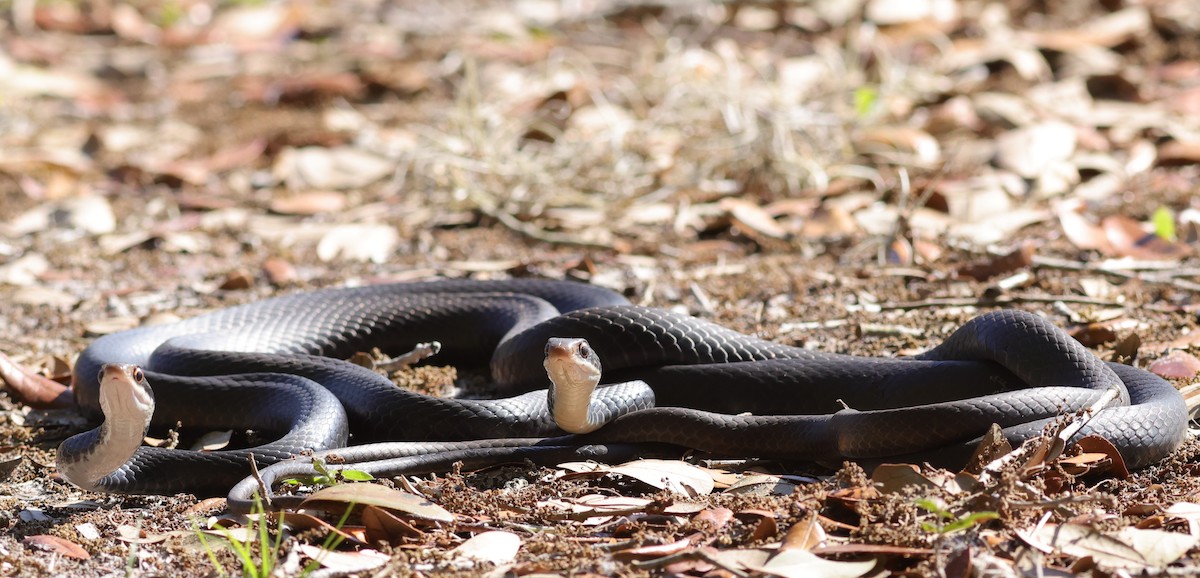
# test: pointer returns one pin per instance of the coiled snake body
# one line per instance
(258, 366)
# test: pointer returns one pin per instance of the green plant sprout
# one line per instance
(268, 555)
(323, 476)
(947, 521)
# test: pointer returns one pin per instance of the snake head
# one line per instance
(571, 362)
(124, 393)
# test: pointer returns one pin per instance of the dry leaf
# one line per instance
(1034, 150)
(345, 562)
(805, 534)
(1130, 548)
(796, 563)
(336, 498)
(495, 547)
(679, 477)
(56, 545)
(1020, 258)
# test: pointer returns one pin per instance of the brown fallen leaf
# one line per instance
(1017, 259)
(1128, 238)
(715, 518)
(1098, 454)
(1093, 334)
(383, 526)
(56, 545)
(805, 534)
(764, 523)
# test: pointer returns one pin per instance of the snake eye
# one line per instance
(137, 374)
(100, 376)
(584, 350)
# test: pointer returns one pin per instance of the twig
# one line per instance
(419, 352)
(999, 301)
(1055, 502)
(263, 490)
(1163, 271)
(488, 207)
(688, 555)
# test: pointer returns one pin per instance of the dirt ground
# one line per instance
(857, 177)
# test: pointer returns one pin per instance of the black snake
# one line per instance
(716, 390)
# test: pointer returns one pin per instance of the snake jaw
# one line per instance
(574, 370)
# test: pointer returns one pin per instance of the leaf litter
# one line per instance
(854, 177)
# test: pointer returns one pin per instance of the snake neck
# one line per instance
(570, 408)
(86, 458)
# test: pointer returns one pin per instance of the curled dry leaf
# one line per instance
(9, 465)
(1098, 454)
(135, 535)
